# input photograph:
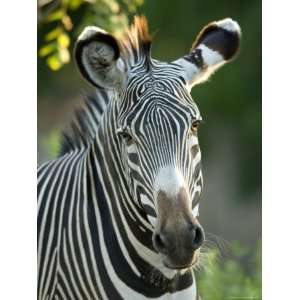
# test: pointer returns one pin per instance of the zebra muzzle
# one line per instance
(178, 235)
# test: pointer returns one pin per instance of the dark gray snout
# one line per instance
(178, 235)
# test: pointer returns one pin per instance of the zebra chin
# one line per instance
(181, 268)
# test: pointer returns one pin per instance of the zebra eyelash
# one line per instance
(195, 123)
(125, 135)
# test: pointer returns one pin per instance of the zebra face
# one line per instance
(159, 136)
(156, 124)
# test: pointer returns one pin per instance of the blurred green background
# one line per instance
(230, 103)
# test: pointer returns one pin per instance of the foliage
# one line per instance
(61, 21)
(238, 277)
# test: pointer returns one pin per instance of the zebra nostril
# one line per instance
(198, 236)
(159, 243)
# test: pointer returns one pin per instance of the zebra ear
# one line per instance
(97, 55)
(216, 44)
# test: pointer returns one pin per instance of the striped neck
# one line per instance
(126, 231)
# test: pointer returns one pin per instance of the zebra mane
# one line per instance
(84, 126)
(136, 42)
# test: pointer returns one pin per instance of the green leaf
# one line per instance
(47, 49)
(113, 15)
(53, 34)
(63, 40)
(56, 15)
(74, 4)
(54, 62)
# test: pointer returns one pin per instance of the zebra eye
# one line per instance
(195, 125)
(126, 137)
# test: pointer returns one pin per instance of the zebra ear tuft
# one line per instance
(216, 44)
(97, 55)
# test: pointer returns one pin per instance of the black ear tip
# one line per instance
(222, 36)
(231, 32)
(231, 44)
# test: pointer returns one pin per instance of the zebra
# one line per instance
(118, 210)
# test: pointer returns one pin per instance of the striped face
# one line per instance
(158, 129)
(157, 124)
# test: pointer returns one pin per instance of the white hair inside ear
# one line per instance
(98, 57)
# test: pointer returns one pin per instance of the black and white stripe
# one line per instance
(97, 207)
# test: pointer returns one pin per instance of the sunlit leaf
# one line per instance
(64, 55)
(112, 15)
(74, 4)
(63, 40)
(47, 49)
(56, 15)
(66, 20)
(54, 62)
(53, 34)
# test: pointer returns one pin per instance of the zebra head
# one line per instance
(156, 126)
